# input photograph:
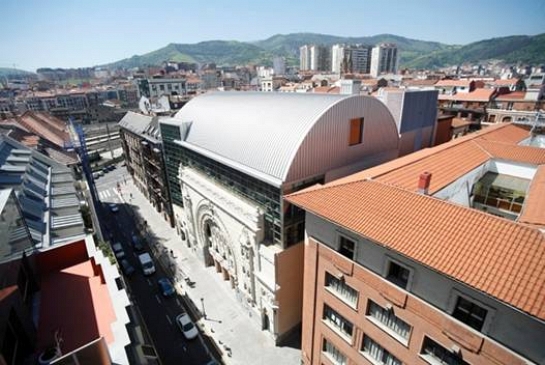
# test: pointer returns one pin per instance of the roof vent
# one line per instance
(424, 182)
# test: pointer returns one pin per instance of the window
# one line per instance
(377, 353)
(398, 274)
(387, 318)
(333, 353)
(346, 247)
(341, 289)
(356, 131)
(469, 313)
(436, 354)
(336, 320)
(162, 87)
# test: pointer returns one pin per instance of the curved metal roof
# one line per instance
(259, 133)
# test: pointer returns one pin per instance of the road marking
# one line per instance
(157, 297)
(168, 319)
(149, 282)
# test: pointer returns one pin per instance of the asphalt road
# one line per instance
(159, 313)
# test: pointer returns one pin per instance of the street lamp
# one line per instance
(203, 311)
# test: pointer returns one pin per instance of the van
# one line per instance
(147, 263)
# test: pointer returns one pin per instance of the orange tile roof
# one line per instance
(533, 212)
(515, 95)
(453, 83)
(459, 122)
(45, 126)
(509, 133)
(491, 254)
(506, 82)
(511, 152)
(481, 94)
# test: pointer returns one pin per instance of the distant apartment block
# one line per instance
(384, 59)
(434, 258)
(157, 87)
(279, 66)
(304, 58)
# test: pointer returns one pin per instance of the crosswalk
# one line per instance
(109, 194)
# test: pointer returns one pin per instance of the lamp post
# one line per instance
(203, 311)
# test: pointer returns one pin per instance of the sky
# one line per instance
(85, 33)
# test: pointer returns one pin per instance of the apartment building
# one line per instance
(434, 258)
(142, 147)
(230, 157)
(384, 59)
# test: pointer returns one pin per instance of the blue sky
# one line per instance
(80, 33)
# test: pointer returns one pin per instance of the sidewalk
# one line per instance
(227, 322)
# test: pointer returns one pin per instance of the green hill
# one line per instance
(413, 53)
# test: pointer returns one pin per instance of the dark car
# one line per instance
(166, 287)
(137, 243)
(127, 268)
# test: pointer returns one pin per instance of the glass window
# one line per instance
(336, 320)
(436, 354)
(356, 131)
(346, 247)
(398, 274)
(333, 353)
(375, 351)
(469, 313)
(341, 289)
(389, 319)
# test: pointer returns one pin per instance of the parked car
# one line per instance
(146, 262)
(166, 287)
(127, 268)
(118, 250)
(186, 326)
(137, 243)
(114, 208)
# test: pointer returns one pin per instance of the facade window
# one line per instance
(333, 353)
(377, 353)
(346, 247)
(341, 289)
(398, 274)
(356, 131)
(436, 354)
(469, 313)
(162, 87)
(388, 319)
(337, 321)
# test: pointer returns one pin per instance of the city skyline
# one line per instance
(69, 34)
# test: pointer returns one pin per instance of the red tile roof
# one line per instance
(481, 95)
(465, 83)
(515, 95)
(533, 212)
(45, 126)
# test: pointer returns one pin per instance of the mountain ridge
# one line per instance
(413, 53)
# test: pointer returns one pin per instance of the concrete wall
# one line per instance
(289, 276)
(506, 331)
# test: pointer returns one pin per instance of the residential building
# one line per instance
(320, 58)
(513, 106)
(231, 156)
(46, 192)
(304, 58)
(357, 59)
(279, 66)
(337, 58)
(142, 147)
(384, 59)
(157, 87)
(434, 258)
(467, 104)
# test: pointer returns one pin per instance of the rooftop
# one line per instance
(500, 257)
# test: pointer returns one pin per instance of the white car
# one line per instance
(118, 250)
(186, 326)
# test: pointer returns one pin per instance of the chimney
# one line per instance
(424, 182)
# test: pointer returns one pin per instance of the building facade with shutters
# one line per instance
(434, 258)
(230, 158)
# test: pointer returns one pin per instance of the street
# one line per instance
(158, 312)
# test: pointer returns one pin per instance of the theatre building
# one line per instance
(231, 157)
